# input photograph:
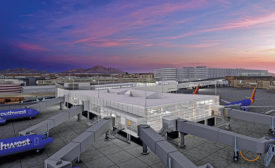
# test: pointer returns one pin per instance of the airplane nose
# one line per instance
(49, 140)
(2, 120)
(36, 112)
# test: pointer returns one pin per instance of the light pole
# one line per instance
(97, 87)
(161, 86)
(215, 87)
(73, 83)
(145, 99)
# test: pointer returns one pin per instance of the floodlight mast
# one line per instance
(145, 90)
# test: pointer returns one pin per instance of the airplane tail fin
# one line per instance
(252, 98)
(197, 89)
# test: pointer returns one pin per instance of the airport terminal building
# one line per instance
(131, 107)
(203, 72)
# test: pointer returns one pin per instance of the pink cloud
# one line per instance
(32, 47)
(167, 8)
(202, 45)
(271, 50)
(105, 42)
(91, 30)
(242, 23)
(94, 31)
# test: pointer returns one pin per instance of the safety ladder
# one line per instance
(269, 155)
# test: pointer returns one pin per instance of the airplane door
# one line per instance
(36, 141)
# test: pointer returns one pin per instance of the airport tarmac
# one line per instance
(118, 154)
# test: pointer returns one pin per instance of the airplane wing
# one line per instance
(225, 101)
(234, 105)
(258, 106)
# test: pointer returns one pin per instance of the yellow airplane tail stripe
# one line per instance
(252, 98)
(196, 90)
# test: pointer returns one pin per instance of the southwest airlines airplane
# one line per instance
(243, 103)
(16, 114)
(23, 143)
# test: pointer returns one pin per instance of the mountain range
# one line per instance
(96, 70)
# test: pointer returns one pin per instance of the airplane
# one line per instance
(16, 114)
(196, 90)
(244, 104)
(26, 143)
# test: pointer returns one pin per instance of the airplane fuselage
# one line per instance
(17, 113)
(243, 103)
(23, 143)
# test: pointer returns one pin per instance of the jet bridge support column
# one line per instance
(144, 149)
(238, 141)
(227, 113)
(64, 157)
(167, 153)
(78, 117)
(181, 144)
(61, 105)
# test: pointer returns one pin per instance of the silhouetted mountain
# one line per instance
(97, 70)
(20, 71)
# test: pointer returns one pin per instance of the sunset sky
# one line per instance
(137, 35)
